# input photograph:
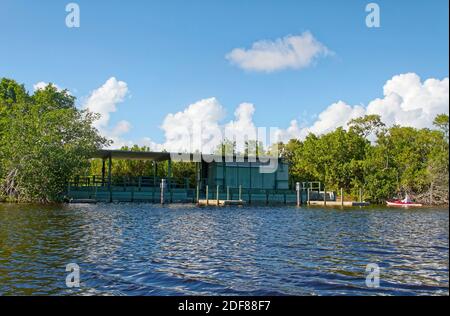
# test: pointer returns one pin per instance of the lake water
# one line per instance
(144, 249)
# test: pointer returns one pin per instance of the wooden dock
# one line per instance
(338, 203)
(220, 202)
(82, 201)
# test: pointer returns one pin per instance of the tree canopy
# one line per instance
(400, 160)
(44, 140)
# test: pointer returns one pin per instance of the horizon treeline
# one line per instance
(45, 140)
(385, 162)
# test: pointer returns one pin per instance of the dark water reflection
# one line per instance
(143, 249)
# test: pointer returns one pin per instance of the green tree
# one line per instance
(367, 125)
(438, 165)
(44, 141)
(441, 121)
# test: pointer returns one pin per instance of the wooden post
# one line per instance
(301, 195)
(360, 195)
(163, 186)
(308, 197)
(217, 195)
(228, 193)
(207, 195)
(169, 175)
(324, 196)
(110, 178)
(250, 189)
(342, 197)
(198, 176)
(155, 171)
(197, 193)
(103, 172)
(240, 192)
(297, 188)
(224, 172)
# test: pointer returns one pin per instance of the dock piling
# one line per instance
(197, 195)
(217, 194)
(163, 186)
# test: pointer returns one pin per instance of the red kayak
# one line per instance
(401, 203)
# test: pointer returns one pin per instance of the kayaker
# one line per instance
(406, 199)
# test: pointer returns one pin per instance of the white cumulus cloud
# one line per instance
(41, 85)
(195, 128)
(243, 122)
(406, 101)
(293, 51)
(337, 114)
(104, 101)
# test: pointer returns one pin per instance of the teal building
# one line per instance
(246, 174)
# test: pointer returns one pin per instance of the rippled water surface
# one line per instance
(144, 249)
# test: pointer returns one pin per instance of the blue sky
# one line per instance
(172, 53)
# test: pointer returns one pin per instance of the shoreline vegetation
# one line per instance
(45, 140)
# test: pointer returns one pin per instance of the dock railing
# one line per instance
(147, 188)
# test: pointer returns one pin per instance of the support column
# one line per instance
(196, 174)
(250, 183)
(103, 171)
(155, 170)
(197, 196)
(224, 173)
(163, 186)
(169, 174)
(110, 177)
(217, 195)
